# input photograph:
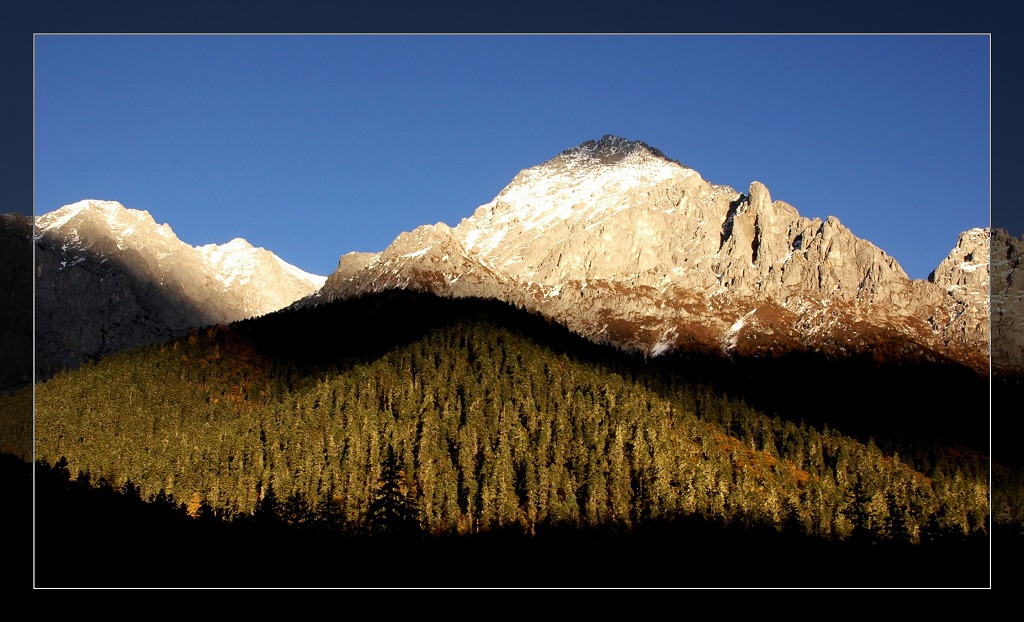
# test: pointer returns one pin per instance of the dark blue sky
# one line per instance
(313, 146)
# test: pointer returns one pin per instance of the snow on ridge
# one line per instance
(238, 260)
(415, 254)
(120, 220)
(233, 261)
(300, 274)
(231, 264)
(236, 247)
(59, 217)
(538, 196)
(237, 244)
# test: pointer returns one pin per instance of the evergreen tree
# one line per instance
(268, 510)
(392, 512)
(858, 511)
(296, 509)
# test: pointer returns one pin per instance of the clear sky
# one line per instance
(313, 146)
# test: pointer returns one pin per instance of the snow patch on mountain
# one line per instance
(578, 186)
(731, 338)
(231, 262)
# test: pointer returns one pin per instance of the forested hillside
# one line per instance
(465, 418)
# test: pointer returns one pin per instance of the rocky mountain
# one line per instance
(629, 247)
(108, 277)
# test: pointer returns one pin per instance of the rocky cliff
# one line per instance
(627, 246)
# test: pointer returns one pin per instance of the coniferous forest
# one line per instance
(406, 440)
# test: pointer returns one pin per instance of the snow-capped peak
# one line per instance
(315, 280)
(237, 244)
(235, 265)
(238, 261)
(578, 184)
(108, 219)
(219, 251)
(107, 211)
(113, 258)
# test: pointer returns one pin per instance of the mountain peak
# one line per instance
(130, 281)
(625, 246)
(108, 228)
(236, 245)
(90, 221)
(610, 150)
(106, 210)
(578, 184)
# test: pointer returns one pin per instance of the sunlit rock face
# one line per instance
(108, 277)
(628, 247)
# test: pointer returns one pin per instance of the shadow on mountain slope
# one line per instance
(889, 402)
(89, 305)
(16, 301)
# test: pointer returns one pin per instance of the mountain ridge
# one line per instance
(109, 277)
(612, 238)
(630, 247)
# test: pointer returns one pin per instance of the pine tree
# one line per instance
(268, 509)
(392, 512)
(296, 510)
(858, 511)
